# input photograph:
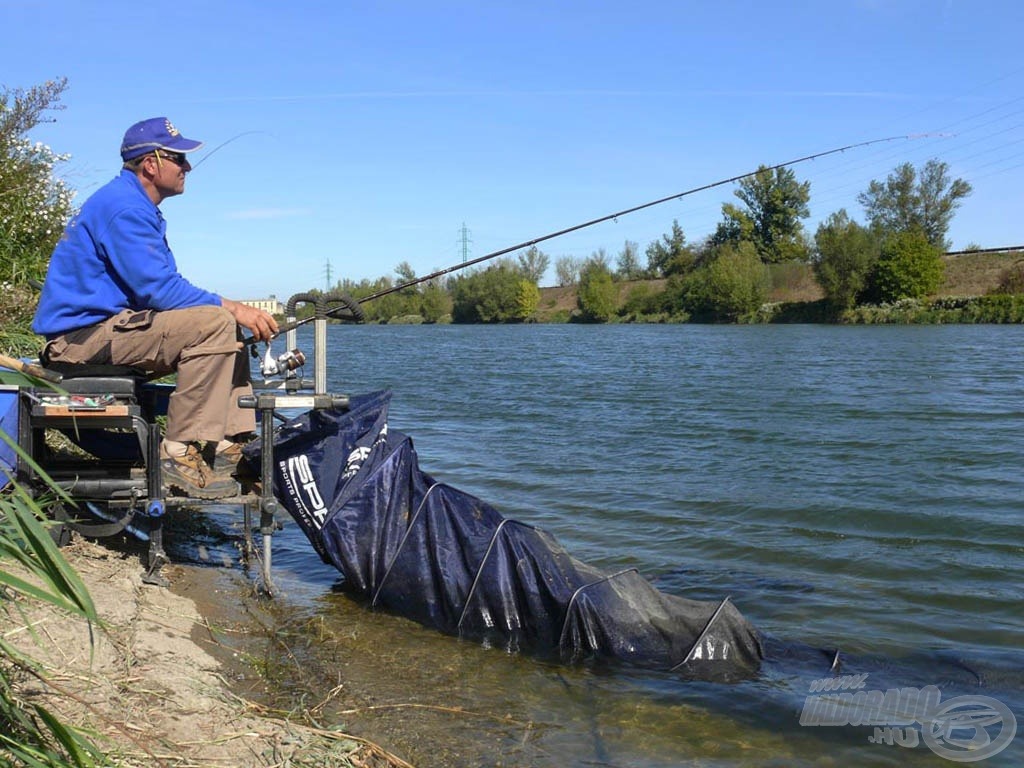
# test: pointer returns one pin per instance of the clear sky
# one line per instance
(362, 134)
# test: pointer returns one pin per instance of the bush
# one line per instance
(435, 303)
(903, 311)
(34, 207)
(1012, 279)
(908, 267)
(406, 320)
(494, 295)
(822, 311)
(17, 305)
(733, 284)
(34, 204)
(643, 303)
(527, 299)
(598, 295)
(1005, 308)
(846, 253)
(994, 308)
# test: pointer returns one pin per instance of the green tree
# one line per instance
(377, 311)
(493, 295)
(600, 256)
(909, 199)
(774, 204)
(405, 273)
(908, 267)
(34, 204)
(627, 264)
(567, 270)
(435, 302)
(390, 305)
(732, 284)
(597, 298)
(670, 255)
(534, 263)
(527, 299)
(845, 254)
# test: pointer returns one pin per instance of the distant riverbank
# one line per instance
(795, 293)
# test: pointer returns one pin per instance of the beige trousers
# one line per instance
(200, 343)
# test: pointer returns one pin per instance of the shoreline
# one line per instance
(158, 684)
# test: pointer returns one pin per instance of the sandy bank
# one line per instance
(153, 683)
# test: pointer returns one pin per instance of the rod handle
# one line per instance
(31, 369)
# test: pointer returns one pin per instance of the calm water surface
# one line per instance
(857, 488)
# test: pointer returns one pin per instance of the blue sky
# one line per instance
(364, 134)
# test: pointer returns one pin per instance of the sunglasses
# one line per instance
(178, 158)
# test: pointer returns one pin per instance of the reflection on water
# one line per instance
(850, 488)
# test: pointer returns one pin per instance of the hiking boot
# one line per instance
(231, 462)
(194, 478)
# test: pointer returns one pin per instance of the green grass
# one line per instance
(33, 570)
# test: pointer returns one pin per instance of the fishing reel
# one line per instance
(282, 364)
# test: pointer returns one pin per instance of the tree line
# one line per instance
(896, 253)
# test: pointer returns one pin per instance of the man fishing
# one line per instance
(113, 296)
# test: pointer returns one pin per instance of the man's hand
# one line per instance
(262, 324)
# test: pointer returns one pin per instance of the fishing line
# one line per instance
(528, 243)
(216, 149)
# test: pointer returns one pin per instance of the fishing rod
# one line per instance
(337, 311)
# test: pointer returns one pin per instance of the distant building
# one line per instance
(271, 305)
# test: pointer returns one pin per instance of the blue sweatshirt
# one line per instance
(113, 256)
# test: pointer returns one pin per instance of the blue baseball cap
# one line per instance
(152, 134)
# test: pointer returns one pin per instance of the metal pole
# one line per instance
(320, 355)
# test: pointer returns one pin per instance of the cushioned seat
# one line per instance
(117, 380)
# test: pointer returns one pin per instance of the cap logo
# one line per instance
(171, 130)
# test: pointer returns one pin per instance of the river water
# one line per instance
(851, 488)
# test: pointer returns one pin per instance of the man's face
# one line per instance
(169, 172)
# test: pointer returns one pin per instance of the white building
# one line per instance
(271, 305)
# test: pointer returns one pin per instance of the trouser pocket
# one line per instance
(134, 321)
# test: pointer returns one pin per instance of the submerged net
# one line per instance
(440, 556)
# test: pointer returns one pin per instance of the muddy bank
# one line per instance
(159, 684)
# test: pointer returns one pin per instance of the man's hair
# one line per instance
(135, 162)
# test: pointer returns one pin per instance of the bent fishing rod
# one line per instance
(337, 311)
